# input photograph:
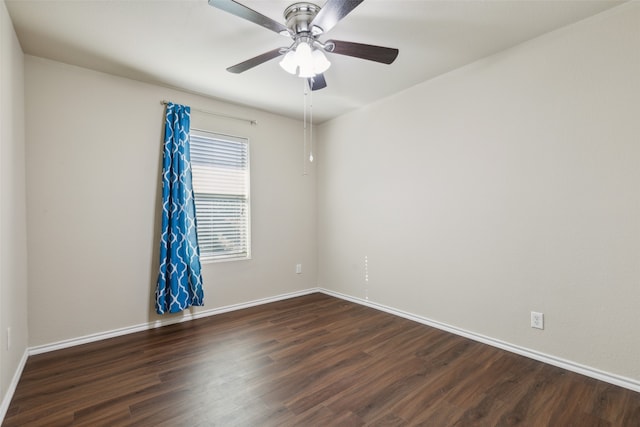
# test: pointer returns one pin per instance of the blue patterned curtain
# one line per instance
(179, 279)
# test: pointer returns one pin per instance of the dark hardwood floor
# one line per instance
(308, 361)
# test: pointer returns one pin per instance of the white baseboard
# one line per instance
(163, 322)
(628, 383)
(6, 400)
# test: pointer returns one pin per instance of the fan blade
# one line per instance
(332, 12)
(386, 55)
(318, 82)
(250, 63)
(244, 12)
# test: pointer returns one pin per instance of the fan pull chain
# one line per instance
(304, 128)
(311, 125)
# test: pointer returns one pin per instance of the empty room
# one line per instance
(342, 212)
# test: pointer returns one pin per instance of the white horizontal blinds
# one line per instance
(222, 231)
(220, 168)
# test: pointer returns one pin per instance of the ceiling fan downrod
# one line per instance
(298, 17)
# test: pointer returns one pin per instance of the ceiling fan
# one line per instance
(305, 23)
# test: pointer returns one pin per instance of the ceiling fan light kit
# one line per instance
(303, 60)
(305, 22)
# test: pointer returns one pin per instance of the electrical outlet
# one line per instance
(298, 268)
(537, 320)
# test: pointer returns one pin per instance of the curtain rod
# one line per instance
(251, 121)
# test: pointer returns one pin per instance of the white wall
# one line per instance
(94, 146)
(13, 238)
(507, 186)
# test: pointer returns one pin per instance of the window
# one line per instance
(220, 169)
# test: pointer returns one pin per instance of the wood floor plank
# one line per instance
(307, 361)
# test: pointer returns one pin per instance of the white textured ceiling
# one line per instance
(188, 44)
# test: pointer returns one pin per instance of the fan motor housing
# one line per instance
(298, 16)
